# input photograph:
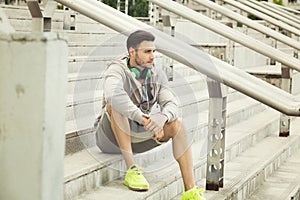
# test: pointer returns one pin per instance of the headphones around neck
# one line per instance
(145, 73)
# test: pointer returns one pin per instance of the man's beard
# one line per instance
(137, 61)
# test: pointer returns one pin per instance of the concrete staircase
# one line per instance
(257, 160)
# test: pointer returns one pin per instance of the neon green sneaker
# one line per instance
(135, 180)
(193, 194)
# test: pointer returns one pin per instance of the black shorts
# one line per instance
(106, 141)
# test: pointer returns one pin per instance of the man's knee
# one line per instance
(117, 119)
(174, 127)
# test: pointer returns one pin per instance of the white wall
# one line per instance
(33, 77)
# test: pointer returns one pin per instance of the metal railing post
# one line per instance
(41, 22)
(216, 135)
(50, 7)
(153, 14)
(37, 16)
(286, 85)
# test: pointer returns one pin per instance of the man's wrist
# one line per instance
(167, 118)
(145, 121)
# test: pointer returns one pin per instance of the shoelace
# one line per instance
(137, 170)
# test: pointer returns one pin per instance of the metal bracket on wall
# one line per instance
(41, 22)
(216, 135)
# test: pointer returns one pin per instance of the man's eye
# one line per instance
(150, 51)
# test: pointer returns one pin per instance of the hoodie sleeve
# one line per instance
(116, 96)
(166, 98)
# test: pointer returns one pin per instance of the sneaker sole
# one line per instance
(137, 189)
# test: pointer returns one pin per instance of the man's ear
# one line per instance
(131, 51)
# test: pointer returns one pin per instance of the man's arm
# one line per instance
(166, 99)
(117, 97)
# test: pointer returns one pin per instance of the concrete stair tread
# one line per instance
(82, 112)
(248, 165)
(266, 70)
(252, 124)
(89, 158)
(154, 173)
(84, 76)
(243, 135)
(177, 82)
(193, 79)
(86, 161)
(81, 123)
(187, 79)
(84, 97)
(243, 102)
(284, 182)
(88, 58)
(76, 98)
(236, 171)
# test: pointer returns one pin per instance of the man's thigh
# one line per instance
(106, 140)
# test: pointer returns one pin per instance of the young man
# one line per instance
(132, 86)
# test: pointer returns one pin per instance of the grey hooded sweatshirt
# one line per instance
(125, 94)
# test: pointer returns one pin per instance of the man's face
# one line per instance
(143, 56)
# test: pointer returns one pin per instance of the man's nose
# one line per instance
(152, 55)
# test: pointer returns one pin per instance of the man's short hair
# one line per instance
(137, 37)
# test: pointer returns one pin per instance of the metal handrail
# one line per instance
(250, 23)
(263, 16)
(229, 33)
(284, 13)
(290, 10)
(192, 57)
(260, 7)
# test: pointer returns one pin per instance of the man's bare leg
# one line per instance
(174, 130)
(181, 151)
(134, 178)
(121, 129)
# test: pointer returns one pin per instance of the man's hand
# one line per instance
(157, 122)
(146, 120)
(159, 135)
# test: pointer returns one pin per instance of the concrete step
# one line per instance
(87, 93)
(112, 49)
(166, 182)
(83, 108)
(284, 183)
(244, 174)
(181, 70)
(20, 19)
(99, 168)
(91, 38)
(86, 80)
(98, 56)
(80, 130)
(87, 64)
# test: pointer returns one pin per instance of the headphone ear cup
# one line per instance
(136, 72)
(148, 73)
